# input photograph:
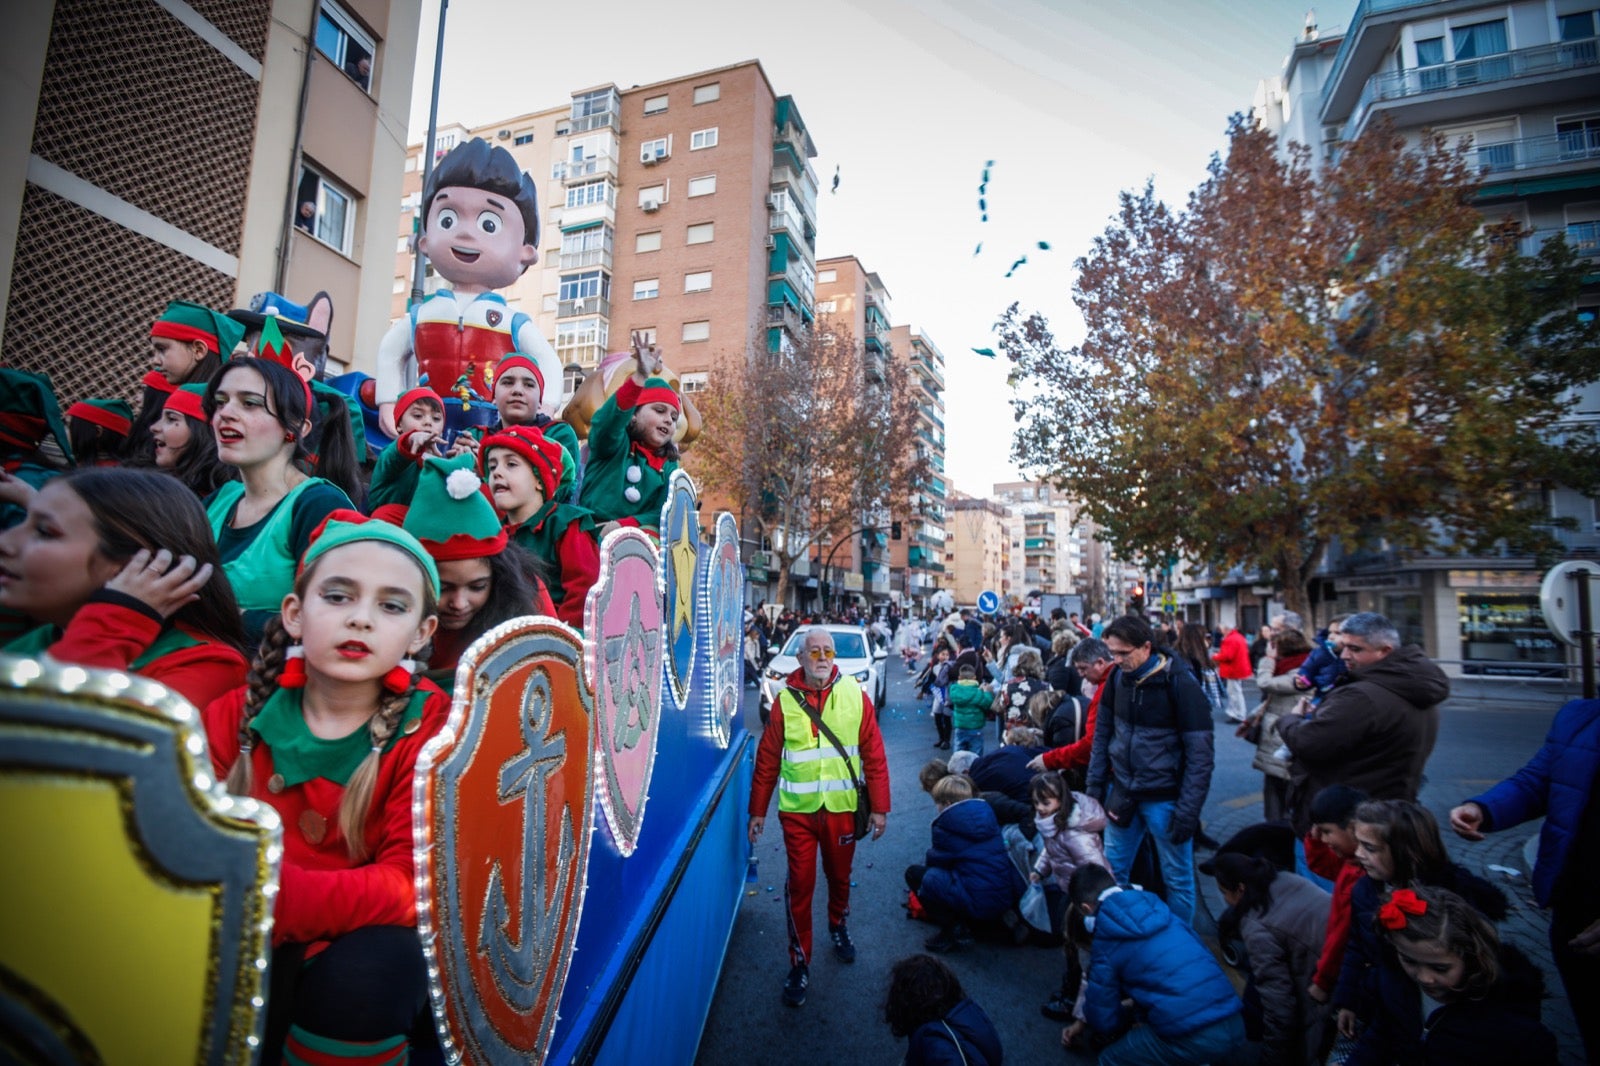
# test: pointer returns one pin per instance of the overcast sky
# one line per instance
(1074, 101)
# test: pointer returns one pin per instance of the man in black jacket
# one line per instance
(1152, 758)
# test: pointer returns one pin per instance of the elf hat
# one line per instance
(185, 321)
(547, 457)
(345, 526)
(158, 381)
(188, 400)
(451, 513)
(416, 395)
(29, 414)
(658, 390)
(272, 347)
(114, 415)
(513, 360)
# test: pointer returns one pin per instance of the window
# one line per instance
(697, 282)
(652, 151)
(521, 139)
(700, 233)
(564, 127)
(647, 335)
(411, 163)
(325, 211)
(703, 139)
(705, 94)
(583, 286)
(573, 338)
(697, 331)
(694, 381)
(703, 186)
(590, 192)
(586, 247)
(654, 105)
(403, 245)
(571, 378)
(1475, 42)
(647, 289)
(401, 285)
(1579, 137)
(652, 193)
(647, 242)
(345, 43)
(827, 277)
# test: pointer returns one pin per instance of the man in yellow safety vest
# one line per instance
(817, 793)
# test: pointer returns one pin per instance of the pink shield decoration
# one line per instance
(503, 811)
(623, 621)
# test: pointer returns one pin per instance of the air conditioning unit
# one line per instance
(504, 135)
(772, 242)
(650, 206)
(775, 202)
(649, 159)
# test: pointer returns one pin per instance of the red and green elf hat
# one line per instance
(184, 321)
(188, 400)
(420, 394)
(547, 457)
(513, 360)
(29, 414)
(659, 390)
(272, 347)
(155, 379)
(345, 526)
(451, 512)
(114, 415)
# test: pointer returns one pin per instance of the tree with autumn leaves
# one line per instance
(1296, 359)
(808, 446)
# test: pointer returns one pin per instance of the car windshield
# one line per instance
(845, 645)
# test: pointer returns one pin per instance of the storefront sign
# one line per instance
(1372, 582)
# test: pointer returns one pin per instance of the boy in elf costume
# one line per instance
(631, 452)
(524, 469)
(419, 419)
(480, 229)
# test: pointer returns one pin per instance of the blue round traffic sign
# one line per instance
(988, 602)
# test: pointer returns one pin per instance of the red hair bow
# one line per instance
(1392, 915)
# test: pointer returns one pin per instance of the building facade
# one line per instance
(1519, 84)
(978, 548)
(280, 104)
(916, 558)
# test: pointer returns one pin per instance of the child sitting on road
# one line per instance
(926, 1003)
(969, 705)
(967, 877)
(1069, 825)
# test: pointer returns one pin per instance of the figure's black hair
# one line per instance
(477, 164)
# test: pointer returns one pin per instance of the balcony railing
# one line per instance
(1583, 237)
(1529, 152)
(588, 305)
(592, 167)
(581, 354)
(593, 122)
(1468, 73)
(600, 257)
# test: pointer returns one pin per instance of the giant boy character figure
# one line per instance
(480, 229)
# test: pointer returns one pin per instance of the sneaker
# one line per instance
(794, 986)
(843, 948)
(1058, 1009)
(1016, 926)
(948, 939)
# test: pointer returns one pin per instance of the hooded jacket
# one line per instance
(964, 1037)
(1283, 944)
(968, 867)
(1142, 952)
(969, 704)
(1374, 732)
(1064, 850)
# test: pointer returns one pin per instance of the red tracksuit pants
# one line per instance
(833, 832)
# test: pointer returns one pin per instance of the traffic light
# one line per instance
(1136, 598)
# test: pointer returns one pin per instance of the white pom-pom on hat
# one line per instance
(461, 483)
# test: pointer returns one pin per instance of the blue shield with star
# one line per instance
(680, 559)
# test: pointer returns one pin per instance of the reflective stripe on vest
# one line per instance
(812, 776)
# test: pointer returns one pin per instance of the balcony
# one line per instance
(587, 305)
(598, 120)
(1584, 237)
(594, 167)
(781, 314)
(580, 354)
(926, 364)
(600, 257)
(1538, 153)
(872, 363)
(1521, 78)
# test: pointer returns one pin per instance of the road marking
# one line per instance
(1239, 803)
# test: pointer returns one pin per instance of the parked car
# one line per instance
(857, 655)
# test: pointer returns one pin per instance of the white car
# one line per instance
(857, 654)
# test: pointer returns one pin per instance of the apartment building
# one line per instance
(203, 151)
(978, 549)
(1519, 83)
(684, 210)
(916, 560)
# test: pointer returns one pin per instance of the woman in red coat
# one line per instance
(118, 570)
(1233, 666)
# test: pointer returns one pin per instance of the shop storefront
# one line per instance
(1503, 632)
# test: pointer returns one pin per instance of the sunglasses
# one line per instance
(820, 653)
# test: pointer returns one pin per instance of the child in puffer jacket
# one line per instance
(1069, 825)
(969, 706)
(968, 876)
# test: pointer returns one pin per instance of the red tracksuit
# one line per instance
(1076, 754)
(831, 832)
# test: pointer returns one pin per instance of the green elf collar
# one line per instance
(298, 755)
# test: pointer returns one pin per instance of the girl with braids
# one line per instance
(184, 445)
(117, 570)
(260, 412)
(327, 731)
(1454, 993)
(483, 579)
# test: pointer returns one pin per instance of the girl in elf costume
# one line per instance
(188, 345)
(484, 579)
(185, 447)
(419, 419)
(263, 522)
(631, 454)
(524, 469)
(518, 393)
(118, 570)
(98, 430)
(327, 730)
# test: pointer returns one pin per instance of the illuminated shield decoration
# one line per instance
(725, 602)
(622, 618)
(503, 812)
(680, 554)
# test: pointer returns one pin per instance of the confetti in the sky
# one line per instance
(987, 353)
(978, 249)
(1015, 265)
(835, 188)
(983, 190)
(1044, 246)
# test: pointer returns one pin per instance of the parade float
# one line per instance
(579, 834)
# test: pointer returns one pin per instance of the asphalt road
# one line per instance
(1482, 741)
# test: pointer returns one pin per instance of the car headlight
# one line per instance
(862, 675)
(774, 675)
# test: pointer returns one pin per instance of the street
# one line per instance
(1481, 741)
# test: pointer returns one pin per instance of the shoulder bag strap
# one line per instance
(799, 697)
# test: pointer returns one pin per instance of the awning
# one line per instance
(578, 227)
(1530, 186)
